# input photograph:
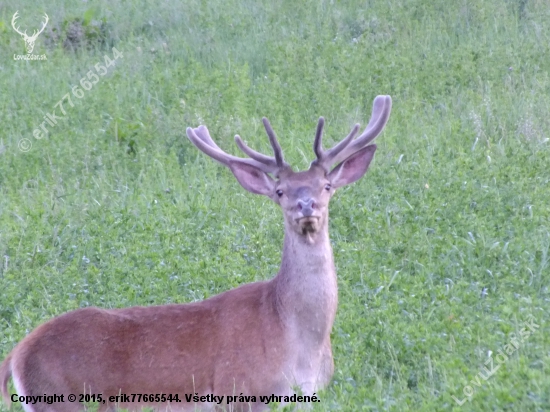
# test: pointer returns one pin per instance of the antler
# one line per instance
(15, 17)
(200, 137)
(327, 158)
(35, 34)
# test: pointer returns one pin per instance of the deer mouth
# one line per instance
(308, 224)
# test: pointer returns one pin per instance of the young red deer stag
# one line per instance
(256, 340)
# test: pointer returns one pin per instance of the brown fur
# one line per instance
(171, 349)
(5, 374)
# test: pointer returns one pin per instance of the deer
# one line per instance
(29, 40)
(262, 339)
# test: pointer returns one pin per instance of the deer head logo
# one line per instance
(29, 40)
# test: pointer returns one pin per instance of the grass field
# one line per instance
(442, 249)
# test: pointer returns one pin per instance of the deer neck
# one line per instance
(305, 287)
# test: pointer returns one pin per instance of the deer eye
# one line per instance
(328, 186)
(279, 192)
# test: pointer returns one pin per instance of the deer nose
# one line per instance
(306, 206)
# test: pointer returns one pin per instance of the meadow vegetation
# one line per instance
(442, 250)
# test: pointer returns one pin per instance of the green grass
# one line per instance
(115, 207)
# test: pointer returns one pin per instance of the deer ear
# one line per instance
(252, 179)
(353, 168)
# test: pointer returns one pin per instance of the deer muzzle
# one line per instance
(306, 207)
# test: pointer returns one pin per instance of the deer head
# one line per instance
(29, 40)
(303, 196)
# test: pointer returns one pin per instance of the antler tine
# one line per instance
(380, 114)
(344, 143)
(260, 157)
(15, 17)
(324, 157)
(36, 33)
(318, 142)
(203, 133)
(200, 137)
(204, 142)
(277, 151)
